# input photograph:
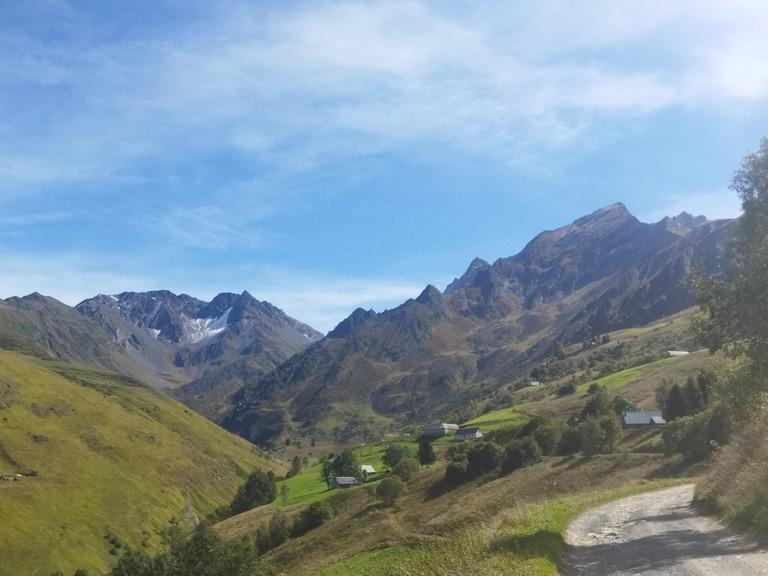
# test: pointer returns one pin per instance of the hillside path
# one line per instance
(657, 533)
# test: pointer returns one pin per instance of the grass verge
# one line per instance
(527, 541)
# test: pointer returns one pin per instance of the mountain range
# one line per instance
(259, 373)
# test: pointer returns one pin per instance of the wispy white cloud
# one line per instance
(345, 78)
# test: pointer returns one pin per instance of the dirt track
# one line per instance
(657, 533)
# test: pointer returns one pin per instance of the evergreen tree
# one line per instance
(326, 471)
(426, 453)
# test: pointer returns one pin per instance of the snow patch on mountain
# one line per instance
(197, 329)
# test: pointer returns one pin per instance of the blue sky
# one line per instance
(331, 155)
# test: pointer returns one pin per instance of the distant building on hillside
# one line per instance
(344, 482)
(641, 418)
(535, 383)
(467, 434)
(367, 469)
(677, 353)
(439, 429)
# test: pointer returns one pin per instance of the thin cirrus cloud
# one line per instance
(391, 73)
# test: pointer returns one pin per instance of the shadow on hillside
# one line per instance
(439, 488)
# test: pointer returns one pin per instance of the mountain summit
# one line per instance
(432, 354)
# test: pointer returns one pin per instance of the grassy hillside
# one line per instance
(101, 455)
(494, 524)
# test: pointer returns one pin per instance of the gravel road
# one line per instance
(657, 533)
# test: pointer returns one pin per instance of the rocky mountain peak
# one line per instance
(469, 276)
(688, 221)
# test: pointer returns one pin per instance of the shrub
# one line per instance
(532, 425)
(520, 453)
(389, 490)
(312, 517)
(548, 437)
(396, 452)
(257, 490)
(280, 527)
(593, 388)
(570, 442)
(406, 468)
(457, 470)
(566, 390)
(591, 436)
(483, 457)
(598, 405)
(696, 436)
(623, 404)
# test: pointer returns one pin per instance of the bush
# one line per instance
(483, 457)
(520, 453)
(697, 436)
(396, 452)
(591, 436)
(389, 490)
(548, 437)
(570, 442)
(566, 390)
(312, 517)
(257, 490)
(593, 388)
(280, 528)
(406, 468)
(457, 470)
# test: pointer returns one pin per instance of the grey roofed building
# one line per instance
(638, 418)
(344, 482)
(467, 433)
(439, 429)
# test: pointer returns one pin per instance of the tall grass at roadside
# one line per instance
(736, 485)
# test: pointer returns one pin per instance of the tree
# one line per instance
(204, 553)
(623, 404)
(735, 305)
(346, 464)
(598, 405)
(389, 490)
(284, 489)
(394, 453)
(406, 468)
(326, 471)
(426, 453)
(296, 466)
(483, 457)
(520, 453)
(592, 436)
(258, 489)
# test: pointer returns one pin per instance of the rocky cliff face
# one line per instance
(181, 338)
(602, 272)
